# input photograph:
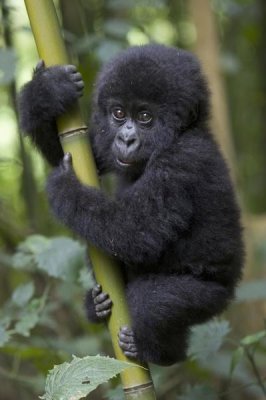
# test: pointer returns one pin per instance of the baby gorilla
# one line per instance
(174, 223)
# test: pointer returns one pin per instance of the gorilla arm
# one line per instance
(50, 93)
(135, 227)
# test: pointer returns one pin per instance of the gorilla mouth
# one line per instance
(124, 163)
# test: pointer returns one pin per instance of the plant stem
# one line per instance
(136, 381)
(255, 370)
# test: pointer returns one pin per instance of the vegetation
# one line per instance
(44, 269)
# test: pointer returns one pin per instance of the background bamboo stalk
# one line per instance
(136, 381)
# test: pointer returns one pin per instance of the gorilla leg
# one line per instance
(163, 308)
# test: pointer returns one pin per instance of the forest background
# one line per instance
(42, 286)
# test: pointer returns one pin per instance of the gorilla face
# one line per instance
(130, 124)
(144, 99)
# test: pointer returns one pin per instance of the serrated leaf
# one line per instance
(4, 336)
(23, 293)
(198, 392)
(252, 291)
(236, 358)
(253, 339)
(62, 258)
(207, 339)
(59, 257)
(78, 378)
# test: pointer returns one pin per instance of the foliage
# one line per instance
(207, 339)
(59, 257)
(27, 311)
(78, 378)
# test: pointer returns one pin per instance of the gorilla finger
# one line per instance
(70, 68)
(100, 298)
(76, 76)
(104, 313)
(127, 346)
(67, 162)
(126, 330)
(105, 305)
(129, 354)
(96, 290)
(126, 339)
(79, 85)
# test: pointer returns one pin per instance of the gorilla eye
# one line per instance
(144, 117)
(119, 114)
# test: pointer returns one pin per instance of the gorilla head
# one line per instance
(144, 99)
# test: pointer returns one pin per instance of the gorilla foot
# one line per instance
(102, 302)
(127, 343)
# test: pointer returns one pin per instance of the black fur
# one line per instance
(174, 224)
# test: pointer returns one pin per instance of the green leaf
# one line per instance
(86, 278)
(253, 339)
(236, 358)
(198, 392)
(30, 316)
(24, 258)
(62, 258)
(5, 320)
(26, 323)
(23, 293)
(4, 336)
(59, 257)
(34, 244)
(21, 260)
(207, 339)
(78, 378)
(255, 290)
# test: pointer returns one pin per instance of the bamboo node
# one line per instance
(73, 132)
(138, 388)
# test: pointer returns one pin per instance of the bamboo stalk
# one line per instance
(136, 381)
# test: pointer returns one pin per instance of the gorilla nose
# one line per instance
(128, 141)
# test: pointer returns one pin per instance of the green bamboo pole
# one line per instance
(136, 381)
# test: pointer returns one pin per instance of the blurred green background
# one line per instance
(229, 38)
